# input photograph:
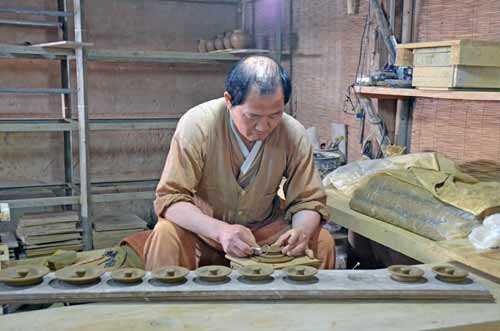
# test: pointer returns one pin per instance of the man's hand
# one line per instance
(295, 243)
(236, 240)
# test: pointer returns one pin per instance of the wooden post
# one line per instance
(384, 29)
(403, 114)
(83, 136)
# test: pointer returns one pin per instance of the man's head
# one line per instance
(257, 90)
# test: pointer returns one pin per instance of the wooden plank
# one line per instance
(432, 57)
(107, 55)
(404, 57)
(478, 53)
(476, 77)
(396, 93)
(465, 52)
(46, 251)
(276, 316)
(65, 44)
(432, 77)
(37, 240)
(330, 285)
(456, 77)
(464, 252)
(430, 44)
(38, 219)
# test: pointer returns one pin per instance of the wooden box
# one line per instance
(452, 64)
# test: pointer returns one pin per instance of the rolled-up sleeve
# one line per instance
(303, 187)
(183, 168)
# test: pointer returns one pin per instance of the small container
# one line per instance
(202, 46)
(240, 39)
(210, 46)
(227, 40)
(219, 42)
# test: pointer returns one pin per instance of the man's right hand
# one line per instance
(236, 240)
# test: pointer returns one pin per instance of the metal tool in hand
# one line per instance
(257, 250)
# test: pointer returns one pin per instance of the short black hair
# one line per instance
(261, 72)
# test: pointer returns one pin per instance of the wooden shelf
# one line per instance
(107, 55)
(10, 51)
(403, 93)
(33, 125)
(241, 52)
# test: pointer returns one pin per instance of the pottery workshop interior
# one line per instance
(250, 165)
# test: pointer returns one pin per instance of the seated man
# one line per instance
(218, 191)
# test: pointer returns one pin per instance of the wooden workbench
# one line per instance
(411, 244)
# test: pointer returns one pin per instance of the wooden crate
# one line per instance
(452, 64)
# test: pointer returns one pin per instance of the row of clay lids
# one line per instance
(410, 274)
(85, 274)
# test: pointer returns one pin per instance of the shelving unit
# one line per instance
(82, 193)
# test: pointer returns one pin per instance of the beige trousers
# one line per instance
(169, 244)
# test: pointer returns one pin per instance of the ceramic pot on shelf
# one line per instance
(227, 40)
(219, 42)
(210, 45)
(202, 46)
(240, 39)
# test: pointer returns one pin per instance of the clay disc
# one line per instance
(213, 273)
(272, 258)
(272, 254)
(127, 275)
(450, 274)
(256, 271)
(300, 273)
(23, 275)
(170, 274)
(81, 274)
(404, 273)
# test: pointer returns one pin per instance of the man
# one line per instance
(218, 191)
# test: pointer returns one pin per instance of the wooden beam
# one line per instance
(403, 93)
(403, 107)
(328, 285)
(65, 44)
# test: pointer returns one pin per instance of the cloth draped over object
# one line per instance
(423, 192)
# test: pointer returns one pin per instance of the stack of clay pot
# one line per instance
(236, 39)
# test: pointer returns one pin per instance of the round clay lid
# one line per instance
(301, 272)
(256, 271)
(127, 275)
(23, 275)
(450, 274)
(81, 274)
(213, 273)
(404, 273)
(170, 274)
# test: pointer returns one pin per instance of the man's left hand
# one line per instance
(295, 242)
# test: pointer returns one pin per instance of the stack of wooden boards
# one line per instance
(452, 64)
(43, 234)
(8, 246)
(109, 230)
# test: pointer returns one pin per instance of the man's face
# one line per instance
(259, 115)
